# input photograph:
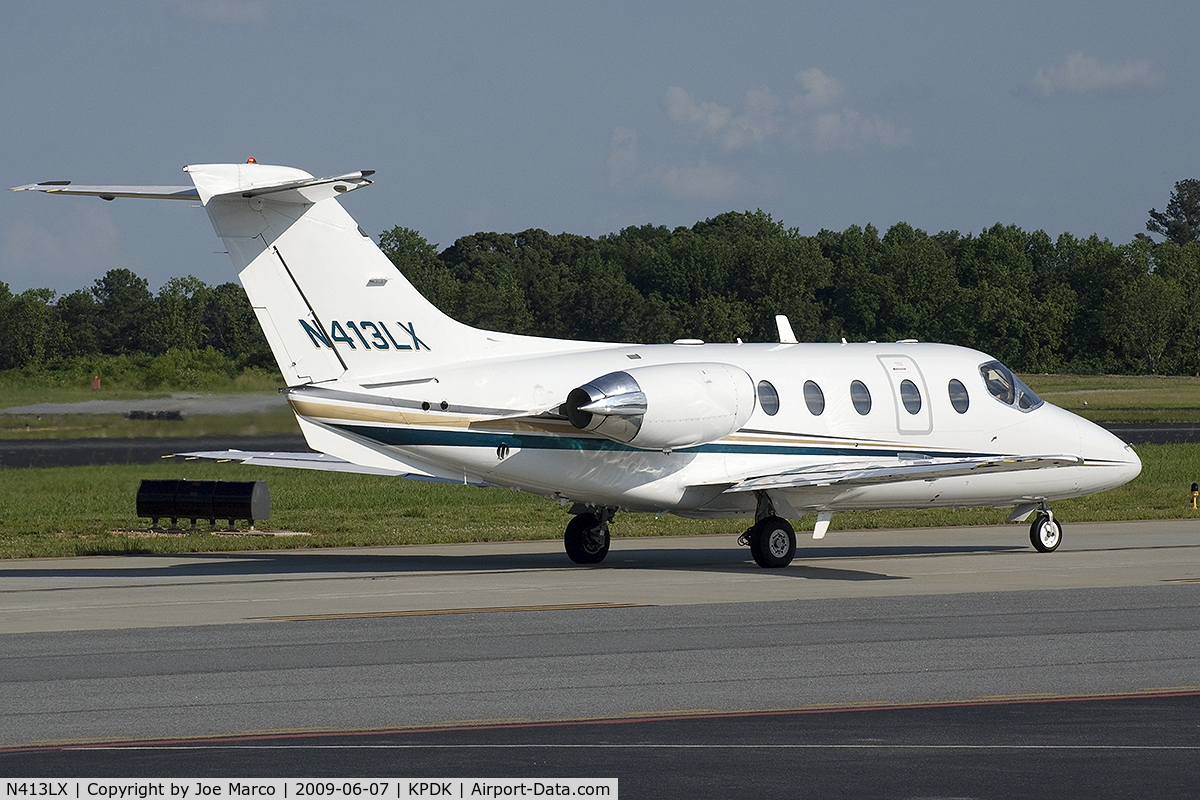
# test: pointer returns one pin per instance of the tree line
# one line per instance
(1041, 304)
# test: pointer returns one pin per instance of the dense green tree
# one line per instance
(125, 302)
(30, 328)
(176, 319)
(1180, 266)
(1005, 307)
(858, 295)
(80, 316)
(766, 269)
(489, 293)
(1098, 272)
(232, 328)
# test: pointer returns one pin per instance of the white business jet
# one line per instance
(382, 382)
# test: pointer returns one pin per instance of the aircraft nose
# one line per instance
(1103, 449)
(1131, 464)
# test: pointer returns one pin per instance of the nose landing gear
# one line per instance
(1045, 533)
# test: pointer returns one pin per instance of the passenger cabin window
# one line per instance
(814, 398)
(1008, 388)
(910, 396)
(860, 396)
(768, 398)
(958, 396)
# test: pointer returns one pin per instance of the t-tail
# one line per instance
(330, 303)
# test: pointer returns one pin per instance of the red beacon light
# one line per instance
(251, 161)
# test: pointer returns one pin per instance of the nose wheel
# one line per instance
(1045, 533)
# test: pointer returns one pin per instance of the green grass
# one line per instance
(1122, 398)
(82, 510)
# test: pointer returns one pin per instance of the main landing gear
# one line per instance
(1045, 533)
(771, 538)
(587, 536)
(772, 542)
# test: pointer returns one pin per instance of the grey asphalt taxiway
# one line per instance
(894, 663)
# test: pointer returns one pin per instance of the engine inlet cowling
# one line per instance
(665, 406)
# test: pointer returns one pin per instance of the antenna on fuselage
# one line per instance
(785, 330)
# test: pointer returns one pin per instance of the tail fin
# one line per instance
(330, 302)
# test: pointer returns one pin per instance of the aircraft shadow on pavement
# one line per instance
(281, 564)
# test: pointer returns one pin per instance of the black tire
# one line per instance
(1045, 533)
(586, 539)
(773, 543)
(752, 540)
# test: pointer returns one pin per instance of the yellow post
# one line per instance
(1195, 493)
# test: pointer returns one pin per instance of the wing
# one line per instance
(924, 470)
(317, 461)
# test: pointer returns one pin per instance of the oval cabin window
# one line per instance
(814, 398)
(860, 396)
(768, 398)
(958, 396)
(910, 396)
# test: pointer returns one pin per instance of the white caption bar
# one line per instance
(302, 788)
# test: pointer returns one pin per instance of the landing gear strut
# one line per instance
(1045, 533)
(587, 536)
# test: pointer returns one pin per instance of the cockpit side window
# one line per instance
(1008, 388)
(1026, 399)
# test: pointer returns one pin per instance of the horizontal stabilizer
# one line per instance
(111, 192)
(863, 475)
(310, 190)
(313, 461)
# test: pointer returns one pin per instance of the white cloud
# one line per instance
(848, 128)
(755, 125)
(1082, 74)
(817, 118)
(820, 91)
(702, 182)
(224, 12)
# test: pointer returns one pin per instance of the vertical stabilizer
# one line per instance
(331, 304)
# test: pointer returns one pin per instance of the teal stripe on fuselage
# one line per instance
(426, 437)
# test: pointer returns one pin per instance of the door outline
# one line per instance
(900, 368)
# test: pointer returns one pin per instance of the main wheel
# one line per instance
(587, 539)
(1045, 533)
(773, 543)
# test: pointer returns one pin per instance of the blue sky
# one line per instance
(588, 118)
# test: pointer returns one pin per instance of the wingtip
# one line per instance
(44, 186)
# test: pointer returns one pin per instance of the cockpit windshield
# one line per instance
(1008, 388)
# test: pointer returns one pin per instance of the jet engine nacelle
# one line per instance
(665, 406)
